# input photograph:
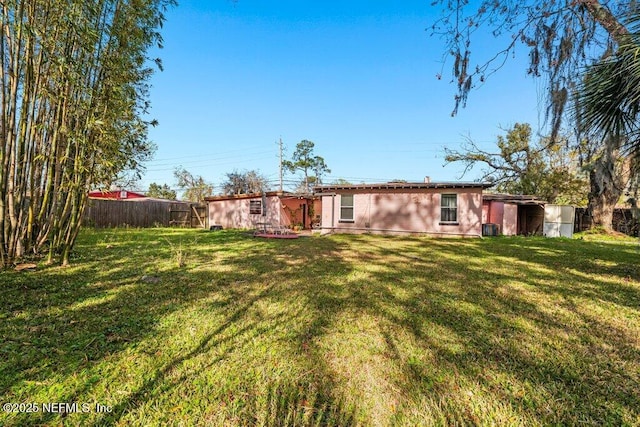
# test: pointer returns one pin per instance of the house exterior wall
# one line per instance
(234, 213)
(293, 209)
(493, 213)
(316, 217)
(404, 211)
(281, 209)
(301, 211)
(505, 215)
(496, 213)
(486, 205)
(510, 219)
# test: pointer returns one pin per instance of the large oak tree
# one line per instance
(519, 166)
(563, 38)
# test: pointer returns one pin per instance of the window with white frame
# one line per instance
(346, 207)
(255, 207)
(449, 208)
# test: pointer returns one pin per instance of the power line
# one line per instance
(211, 159)
(245, 149)
(209, 155)
(209, 163)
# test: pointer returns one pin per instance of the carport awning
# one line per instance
(528, 203)
(516, 199)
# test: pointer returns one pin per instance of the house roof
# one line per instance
(281, 194)
(401, 186)
(354, 187)
(115, 194)
(153, 199)
(517, 199)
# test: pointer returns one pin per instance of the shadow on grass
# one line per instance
(61, 322)
(541, 337)
(505, 318)
(264, 270)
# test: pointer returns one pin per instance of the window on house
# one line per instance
(346, 207)
(449, 208)
(255, 207)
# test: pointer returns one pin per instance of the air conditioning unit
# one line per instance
(490, 230)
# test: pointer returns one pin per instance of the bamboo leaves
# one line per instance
(73, 87)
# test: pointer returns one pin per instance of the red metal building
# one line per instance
(115, 195)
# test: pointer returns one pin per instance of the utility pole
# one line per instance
(281, 165)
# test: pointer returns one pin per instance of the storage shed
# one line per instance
(558, 221)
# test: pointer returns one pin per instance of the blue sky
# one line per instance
(357, 78)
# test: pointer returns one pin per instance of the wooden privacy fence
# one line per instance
(191, 215)
(624, 220)
(144, 213)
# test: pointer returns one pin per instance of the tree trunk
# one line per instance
(607, 179)
(601, 202)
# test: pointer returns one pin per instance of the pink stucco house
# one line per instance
(438, 209)
(428, 208)
(247, 211)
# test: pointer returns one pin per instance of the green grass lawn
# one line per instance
(186, 327)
